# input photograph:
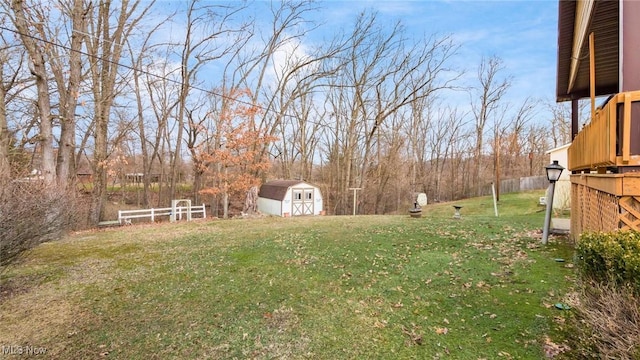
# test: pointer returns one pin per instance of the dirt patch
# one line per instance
(282, 339)
(90, 271)
(281, 320)
(17, 286)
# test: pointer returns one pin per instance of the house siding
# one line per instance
(270, 206)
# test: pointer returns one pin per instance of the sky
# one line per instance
(522, 33)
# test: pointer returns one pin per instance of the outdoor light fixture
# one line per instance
(554, 170)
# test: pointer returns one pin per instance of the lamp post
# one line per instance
(554, 170)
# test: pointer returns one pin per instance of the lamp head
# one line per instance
(554, 170)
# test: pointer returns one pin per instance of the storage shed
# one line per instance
(290, 198)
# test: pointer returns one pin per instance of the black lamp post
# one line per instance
(554, 170)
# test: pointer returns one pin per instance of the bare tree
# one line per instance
(485, 100)
(389, 172)
(449, 126)
(64, 63)
(535, 145)
(298, 119)
(142, 92)
(499, 131)
(11, 68)
(68, 78)
(199, 131)
(105, 47)
(305, 134)
(273, 84)
(415, 73)
(205, 40)
(516, 138)
(5, 137)
(384, 75)
(26, 24)
(161, 89)
(560, 122)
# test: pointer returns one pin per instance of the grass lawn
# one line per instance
(384, 287)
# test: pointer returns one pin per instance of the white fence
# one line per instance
(125, 216)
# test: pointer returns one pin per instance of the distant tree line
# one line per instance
(210, 100)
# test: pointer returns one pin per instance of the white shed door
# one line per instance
(302, 203)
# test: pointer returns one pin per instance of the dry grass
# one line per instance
(38, 316)
(606, 324)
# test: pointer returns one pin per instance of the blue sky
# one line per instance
(522, 33)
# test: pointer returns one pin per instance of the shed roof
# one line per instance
(277, 189)
(559, 148)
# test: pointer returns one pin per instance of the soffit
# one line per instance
(576, 20)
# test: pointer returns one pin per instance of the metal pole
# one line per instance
(547, 217)
(495, 200)
(354, 198)
(354, 201)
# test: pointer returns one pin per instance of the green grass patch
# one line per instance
(324, 288)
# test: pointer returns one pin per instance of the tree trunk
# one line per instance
(5, 138)
(108, 41)
(66, 166)
(39, 71)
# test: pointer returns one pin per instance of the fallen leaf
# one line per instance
(380, 325)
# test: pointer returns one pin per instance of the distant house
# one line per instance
(290, 198)
(85, 177)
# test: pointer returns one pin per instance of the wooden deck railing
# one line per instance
(607, 141)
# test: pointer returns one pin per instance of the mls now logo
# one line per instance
(22, 350)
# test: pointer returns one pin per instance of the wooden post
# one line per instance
(592, 74)
(354, 198)
(575, 118)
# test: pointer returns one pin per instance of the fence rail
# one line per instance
(519, 184)
(125, 216)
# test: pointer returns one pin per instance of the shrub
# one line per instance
(611, 258)
(31, 213)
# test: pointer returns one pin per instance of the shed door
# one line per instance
(302, 203)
